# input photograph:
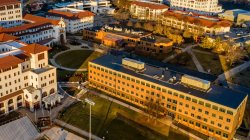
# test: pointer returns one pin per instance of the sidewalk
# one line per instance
(75, 129)
(196, 62)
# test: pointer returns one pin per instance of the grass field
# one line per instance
(114, 121)
(213, 62)
(76, 58)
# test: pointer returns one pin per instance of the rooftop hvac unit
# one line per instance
(133, 63)
(195, 82)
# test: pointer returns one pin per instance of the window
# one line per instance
(201, 102)
(182, 96)
(228, 120)
(188, 98)
(194, 100)
(198, 124)
(193, 107)
(215, 107)
(212, 122)
(208, 105)
(206, 112)
(219, 124)
(229, 112)
(220, 117)
(222, 110)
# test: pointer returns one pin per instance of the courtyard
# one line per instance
(76, 59)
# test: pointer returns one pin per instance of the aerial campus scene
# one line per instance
(124, 70)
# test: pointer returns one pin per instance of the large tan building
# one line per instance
(26, 79)
(195, 23)
(190, 98)
(147, 10)
(10, 13)
(205, 7)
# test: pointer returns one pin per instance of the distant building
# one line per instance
(205, 7)
(27, 79)
(10, 13)
(38, 30)
(115, 36)
(147, 10)
(238, 16)
(76, 20)
(195, 23)
(100, 6)
(191, 99)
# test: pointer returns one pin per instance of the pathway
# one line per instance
(189, 47)
(196, 62)
(230, 73)
(75, 129)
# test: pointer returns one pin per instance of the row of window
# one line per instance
(164, 90)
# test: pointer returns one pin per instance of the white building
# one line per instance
(10, 13)
(38, 30)
(76, 20)
(98, 6)
(26, 79)
(195, 23)
(147, 10)
(205, 7)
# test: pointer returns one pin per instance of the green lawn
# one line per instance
(213, 62)
(114, 121)
(76, 58)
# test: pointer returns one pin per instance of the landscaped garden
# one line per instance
(113, 121)
(76, 59)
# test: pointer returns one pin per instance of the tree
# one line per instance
(130, 23)
(179, 39)
(138, 25)
(148, 26)
(159, 29)
(207, 43)
(187, 34)
(234, 54)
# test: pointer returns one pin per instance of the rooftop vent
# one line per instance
(195, 82)
(133, 63)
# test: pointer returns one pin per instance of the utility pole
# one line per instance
(91, 103)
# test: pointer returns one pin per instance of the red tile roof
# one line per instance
(34, 48)
(7, 2)
(9, 61)
(70, 15)
(5, 37)
(23, 27)
(40, 19)
(150, 5)
(196, 19)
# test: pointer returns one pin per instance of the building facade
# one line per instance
(116, 37)
(190, 101)
(10, 13)
(76, 20)
(147, 10)
(205, 7)
(38, 30)
(195, 23)
(101, 6)
(27, 80)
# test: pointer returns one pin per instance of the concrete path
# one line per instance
(196, 62)
(232, 72)
(75, 129)
(182, 51)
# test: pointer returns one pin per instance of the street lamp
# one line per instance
(91, 103)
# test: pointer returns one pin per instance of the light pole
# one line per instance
(91, 103)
